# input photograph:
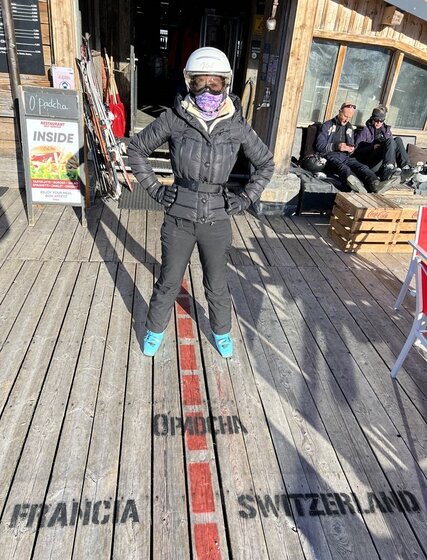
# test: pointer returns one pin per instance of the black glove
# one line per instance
(163, 194)
(237, 203)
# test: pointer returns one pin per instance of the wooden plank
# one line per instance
(136, 237)
(367, 38)
(59, 242)
(153, 244)
(170, 529)
(205, 514)
(348, 228)
(335, 82)
(382, 332)
(106, 234)
(384, 285)
(373, 367)
(252, 245)
(270, 243)
(330, 16)
(344, 15)
(239, 255)
(31, 245)
(299, 52)
(371, 247)
(357, 18)
(10, 214)
(66, 482)
(132, 540)
(7, 199)
(84, 237)
(35, 461)
(100, 482)
(13, 226)
(23, 328)
(293, 245)
(246, 535)
(353, 363)
(121, 234)
(9, 270)
(392, 76)
(391, 537)
(15, 298)
(63, 30)
(319, 249)
(320, 9)
(255, 231)
(281, 385)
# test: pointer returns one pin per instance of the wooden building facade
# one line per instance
(365, 50)
(316, 54)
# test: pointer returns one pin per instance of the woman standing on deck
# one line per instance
(205, 131)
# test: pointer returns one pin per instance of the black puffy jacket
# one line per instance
(201, 156)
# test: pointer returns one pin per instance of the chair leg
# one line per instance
(405, 285)
(407, 346)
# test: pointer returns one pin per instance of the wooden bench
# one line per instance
(374, 223)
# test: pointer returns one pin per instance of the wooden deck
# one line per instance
(299, 447)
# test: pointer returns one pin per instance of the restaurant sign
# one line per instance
(52, 135)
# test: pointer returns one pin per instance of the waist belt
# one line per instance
(197, 186)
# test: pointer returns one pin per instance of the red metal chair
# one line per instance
(421, 241)
(419, 327)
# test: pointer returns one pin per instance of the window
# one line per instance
(362, 80)
(359, 73)
(318, 81)
(408, 108)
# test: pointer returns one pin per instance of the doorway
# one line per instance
(168, 31)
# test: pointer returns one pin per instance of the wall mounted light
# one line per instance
(271, 22)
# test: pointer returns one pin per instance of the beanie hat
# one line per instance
(379, 113)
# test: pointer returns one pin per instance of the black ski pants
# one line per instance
(178, 237)
(345, 165)
(391, 151)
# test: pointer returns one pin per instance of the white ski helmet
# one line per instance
(208, 61)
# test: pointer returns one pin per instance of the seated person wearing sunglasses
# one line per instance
(205, 132)
(376, 143)
(335, 142)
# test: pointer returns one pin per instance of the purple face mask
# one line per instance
(209, 104)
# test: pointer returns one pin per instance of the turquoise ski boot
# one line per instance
(152, 342)
(224, 344)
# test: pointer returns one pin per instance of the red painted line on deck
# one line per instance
(185, 327)
(202, 498)
(187, 357)
(206, 539)
(196, 441)
(183, 305)
(191, 390)
(202, 501)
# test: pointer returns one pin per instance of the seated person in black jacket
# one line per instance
(335, 142)
(376, 143)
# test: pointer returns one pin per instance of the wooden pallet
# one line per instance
(374, 223)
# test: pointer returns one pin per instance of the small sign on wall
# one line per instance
(52, 136)
(392, 16)
(63, 78)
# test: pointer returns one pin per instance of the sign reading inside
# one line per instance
(26, 19)
(54, 164)
(51, 124)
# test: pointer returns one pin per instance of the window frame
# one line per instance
(392, 74)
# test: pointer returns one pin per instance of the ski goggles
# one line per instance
(202, 83)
